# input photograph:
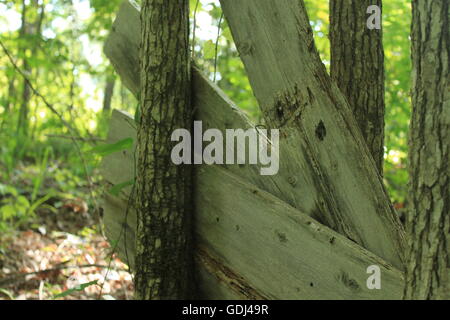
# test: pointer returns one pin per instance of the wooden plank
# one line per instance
(295, 93)
(280, 251)
(216, 111)
(120, 223)
(213, 284)
(294, 182)
(124, 43)
(251, 245)
(327, 190)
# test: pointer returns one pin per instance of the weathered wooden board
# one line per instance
(217, 275)
(215, 110)
(250, 244)
(296, 94)
(213, 284)
(301, 181)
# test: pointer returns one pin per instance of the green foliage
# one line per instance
(31, 188)
(64, 62)
(42, 170)
(80, 287)
(7, 293)
(397, 43)
(137, 114)
(209, 50)
(116, 189)
(106, 149)
(15, 209)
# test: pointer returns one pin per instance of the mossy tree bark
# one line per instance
(428, 273)
(162, 188)
(357, 66)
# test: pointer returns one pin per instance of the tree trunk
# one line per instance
(27, 29)
(163, 255)
(428, 273)
(11, 97)
(22, 124)
(357, 66)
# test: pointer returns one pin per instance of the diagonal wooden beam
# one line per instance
(295, 93)
(294, 184)
(331, 180)
(250, 244)
(300, 181)
(216, 110)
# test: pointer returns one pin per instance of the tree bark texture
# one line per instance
(162, 192)
(357, 66)
(428, 273)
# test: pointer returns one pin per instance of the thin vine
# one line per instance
(217, 46)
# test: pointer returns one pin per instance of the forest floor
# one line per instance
(58, 252)
(37, 266)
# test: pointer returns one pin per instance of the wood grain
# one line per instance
(250, 244)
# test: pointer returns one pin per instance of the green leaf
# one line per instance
(137, 114)
(3, 189)
(226, 32)
(107, 149)
(119, 187)
(23, 202)
(6, 189)
(7, 211)
(39, 202)
(209, 50)
(7, 293)
(80, 287)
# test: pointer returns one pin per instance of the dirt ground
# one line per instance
(43, 262)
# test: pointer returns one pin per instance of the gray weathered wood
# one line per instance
(216, 110)
(124, 43)
(219, 278)
(251, 245)
(335, 191)
(295, 93)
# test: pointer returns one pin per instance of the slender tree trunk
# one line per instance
(11, 95)
(34, 29)
(428, 273)
(163, 258)
(22, 124)
(10, 101)
(357, 66)
(37, 33)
